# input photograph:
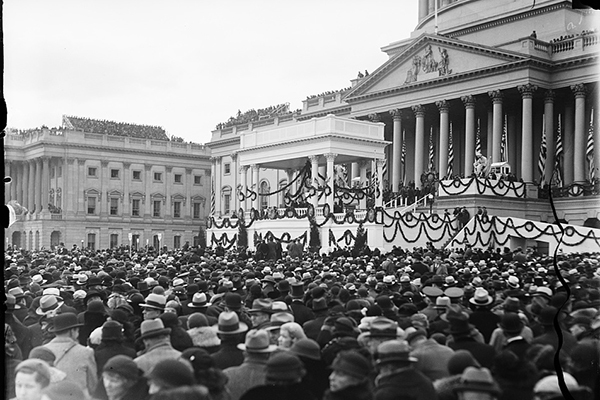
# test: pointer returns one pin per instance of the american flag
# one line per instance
(213, 201)
(542, 156)
(403, 157)
(504, 142)
(558, 155)
(478, 138)
(589, 152)
(431, 150)
(450, 153)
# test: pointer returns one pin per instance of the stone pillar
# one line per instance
(419, 111)
(218, 185)
(330, 178)
(290, 177)
(19, 182)
(314, 170)
(379, 199)
(188, 213)
(213, 183)
(550, 140)
(568, 128)
(489, 133)
(104, 206)
(38, 185)
(322, 173)
(168, 193)
(527, 132)
(496, 96)
(30, 186)
(256, 183)
(355, 172)
(396, 149)
(444, 107)
(363, 182)
(45, 183)
(511, 122)
(469, 102)
(244, 183)
(9, 194)
(580, 134)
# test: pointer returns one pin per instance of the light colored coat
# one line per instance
(244, 377)
(154, 354)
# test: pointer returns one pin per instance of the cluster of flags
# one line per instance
(543, 154)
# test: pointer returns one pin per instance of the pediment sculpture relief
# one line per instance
(427, 64)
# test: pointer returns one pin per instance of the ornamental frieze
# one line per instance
(427, 64)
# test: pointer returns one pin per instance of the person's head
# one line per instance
(31, 377)
(169, 374)
(66, 325)
(63, 390)
(392, 355)
(284, 368)
(477, 384)
(195, 392)
(153, 306)
(119, 374)
(153, 331)
(290, 333)
(349, 369)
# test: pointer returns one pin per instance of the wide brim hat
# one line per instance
(154, 301)
(48, 303)
(394, 351)
(511, 323)
(153, 328)
(257, 341)
(199, 300)
(481, 298)
(261, 305)
(65, 321)
(229, 324)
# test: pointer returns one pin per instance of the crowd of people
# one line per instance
(253, 115)
(572, 35)
(118, 128)
(282, 323)
(328, 92)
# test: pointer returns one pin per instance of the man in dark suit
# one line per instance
(465, 336)
(512, 326)
(301, 312)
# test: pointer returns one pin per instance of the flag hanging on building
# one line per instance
(384, 171)
(589, 152)
(213, 201)
(403, 157)
(504, 142)
(450, 154)
(542, 156)
(557, 174)
(431, 165)
(478, 138)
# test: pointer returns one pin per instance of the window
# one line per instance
(52, 172)
(264, 199)
(135, 207)
(177, 209)
(158, 176)
(91, 205)
(137, 175)
(178, 178)
(227, 203)
(59, 172)
(114, 206)
(92, 171)
(197, 179)
(135, 241)
(114, 174)
(196, 211)
(227, 169)
(176, 242)
(156, 208)
(91, 241)
(114, 240)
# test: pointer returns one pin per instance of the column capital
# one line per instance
(374, 117)
(147, 167)
(216, 159)
(419, 110)
(527, 90)
(330, 156)
(255, 167)
(380, 162)
(496, 96)
(45, 159)
(443, 105)
(104, 163)
(468, 101)
(234, 156)
(313, 159)
(396, 113)
(126, 165)
(70, 161)
(579, 90)
(243, 169)
(80, 162)
(189, 171)
(549, 96)
(169, 169)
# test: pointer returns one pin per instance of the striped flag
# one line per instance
(449, 171)
(542, 156)
(403, 157)
(213, 201)
(431, 166)
(478, 138)
(558, 155)
(384, 171)
(589, 152)
(504, 142)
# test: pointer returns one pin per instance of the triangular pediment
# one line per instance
(429, 59)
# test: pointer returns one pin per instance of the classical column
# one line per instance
(256, 184)
(419, 111)
(126, 189)
(80, 182)
(330, 178)
(244, 183)
(234, 204)
(314, 170)
(363, 182)
(511, 122)
(469, 102)
(45, 186)
(379, 199)
(213, 183)
(580, 136)
(496, 96)
(489, 133)
(188, 213)
(550, 141)
(527, 132)
(38, 185)
(19, 182)
(30, 186)
(396, 149)
(444, 107)
(9, 194)
(219, 185)
(168, 194)
(290, 177)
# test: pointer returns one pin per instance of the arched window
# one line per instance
(264, 199)
(281, 195)
(226, 193)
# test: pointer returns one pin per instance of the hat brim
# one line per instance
(259, 310)
(66, 328)
(487, 303)
(242, 328)
(271, 348)
(144, 305)
(396, 359)
(192, 305)
(157, 332)
(39, 310)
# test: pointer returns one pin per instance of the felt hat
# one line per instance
(96, 307)
(197, 320)
(155, 301)
(415, 334)
(261, 306)
(233, 301)
(432, 291)
(124, 366)
(511, 323)
(477, 380)
(11, 302)
(152, 328)
(547, 315)
(112, 330)
(297, 290)
(481, 298)
(454, 292)
(460, 360)
(172, 373)
(48, 305)
(352, 363)
(284, 366)
(278, 319)
(306, 347)
(65, 321)
(199, 300)
(52, 291)
(229, 324)
(17, 292)
(319, 304)
(257, 341)
(511, 304)
(283, 285)
(383, 327)
(199, 358)
(442, 302)
(394, 351)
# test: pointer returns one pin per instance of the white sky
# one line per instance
(186, 65)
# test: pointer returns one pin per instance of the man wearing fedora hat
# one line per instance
(301, 312)
(464, 336)
(512, 326)
(75, 360)
(252, 372)
(398, 375)
(482, 316)
(313, 327)
(153, 306)
(231, 332)
(157, 344)
(477, 383)
(260, 313)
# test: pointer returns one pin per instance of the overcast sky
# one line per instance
(186, 65)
